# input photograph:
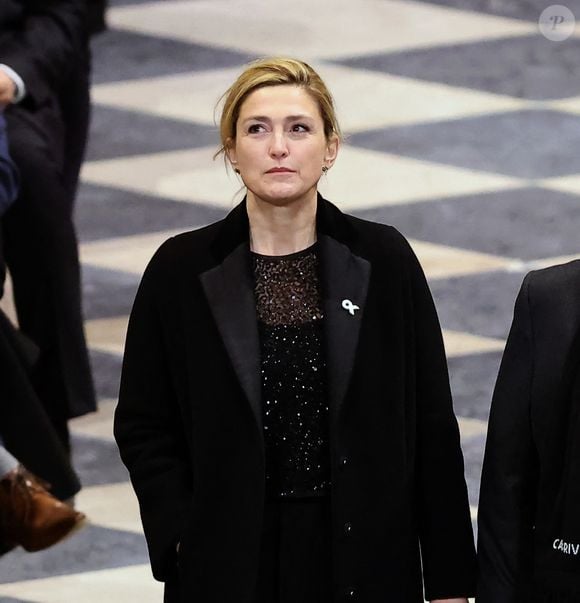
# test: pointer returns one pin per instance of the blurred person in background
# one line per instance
(285, 411)
(44, 85)
(30, 516)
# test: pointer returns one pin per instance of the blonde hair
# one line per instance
(275, 71)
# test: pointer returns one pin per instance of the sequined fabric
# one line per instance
(294, 401)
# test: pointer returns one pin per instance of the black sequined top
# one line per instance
(294, 400)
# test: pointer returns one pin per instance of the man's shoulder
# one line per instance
(555, 278)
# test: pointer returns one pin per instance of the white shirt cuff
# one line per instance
(18, 82)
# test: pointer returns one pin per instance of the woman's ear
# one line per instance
(332, 147)
(230, 151)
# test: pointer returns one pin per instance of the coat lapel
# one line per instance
(230, 292)
(345, 282)
(229, 289)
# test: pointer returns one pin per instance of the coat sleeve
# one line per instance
(149, 429)
(443, 516)
(507, 495)
(45, 48)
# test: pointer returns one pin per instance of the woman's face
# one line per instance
(280, 146)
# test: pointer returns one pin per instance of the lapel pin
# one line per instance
(348, 305)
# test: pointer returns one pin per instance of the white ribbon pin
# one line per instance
(348, 305)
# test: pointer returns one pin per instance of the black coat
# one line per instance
(188, 423)
(529, 510)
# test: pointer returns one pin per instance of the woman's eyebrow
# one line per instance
(256, 118)
(300, 116)
(269, 119)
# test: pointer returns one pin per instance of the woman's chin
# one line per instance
(282, 196)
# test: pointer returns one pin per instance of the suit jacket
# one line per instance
(188, 422)
(529, 519)
(40, 39)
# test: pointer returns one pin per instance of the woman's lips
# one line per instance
(280, 170)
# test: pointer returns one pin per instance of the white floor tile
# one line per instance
(565, 184)
(384, 100)
(471, 427)
(133, 584)
(127, 254)
(381, 100)
(112, 506)
(190, 175)
(363, 179)
(360, 178)
(107, 334)
(458, 343)
(323, 29)
(190, 96)
(546, 262)
(441, 261)
(571, 105)
(96, 424)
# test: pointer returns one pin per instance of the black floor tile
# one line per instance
(121, 133)
(93, 548)
(527, 223)
(480, 304)
(530, 67)
(525, 144)
(106, 373)
(108, 293)
(104, 212)
(97, 461)
(472, 381)
(122, 55)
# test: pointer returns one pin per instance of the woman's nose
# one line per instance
(278, 146)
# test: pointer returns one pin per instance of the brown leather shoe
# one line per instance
(30, 516)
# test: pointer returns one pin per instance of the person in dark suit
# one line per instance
(285, 412)
(29, 515)
(44, 79)
(529, 509)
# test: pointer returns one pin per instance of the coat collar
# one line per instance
(229, 289)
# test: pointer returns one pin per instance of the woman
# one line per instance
(529, 511)
(285, 411)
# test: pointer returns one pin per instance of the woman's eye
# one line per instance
(300, 128)
(256, 128)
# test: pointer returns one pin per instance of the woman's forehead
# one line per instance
(279, 99)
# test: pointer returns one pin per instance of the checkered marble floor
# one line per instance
(463, 126)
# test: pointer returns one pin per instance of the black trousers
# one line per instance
(24, 424)
(296, 553)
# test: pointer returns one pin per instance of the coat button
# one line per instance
(343, 462)
(347, 528)
(350, 594)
